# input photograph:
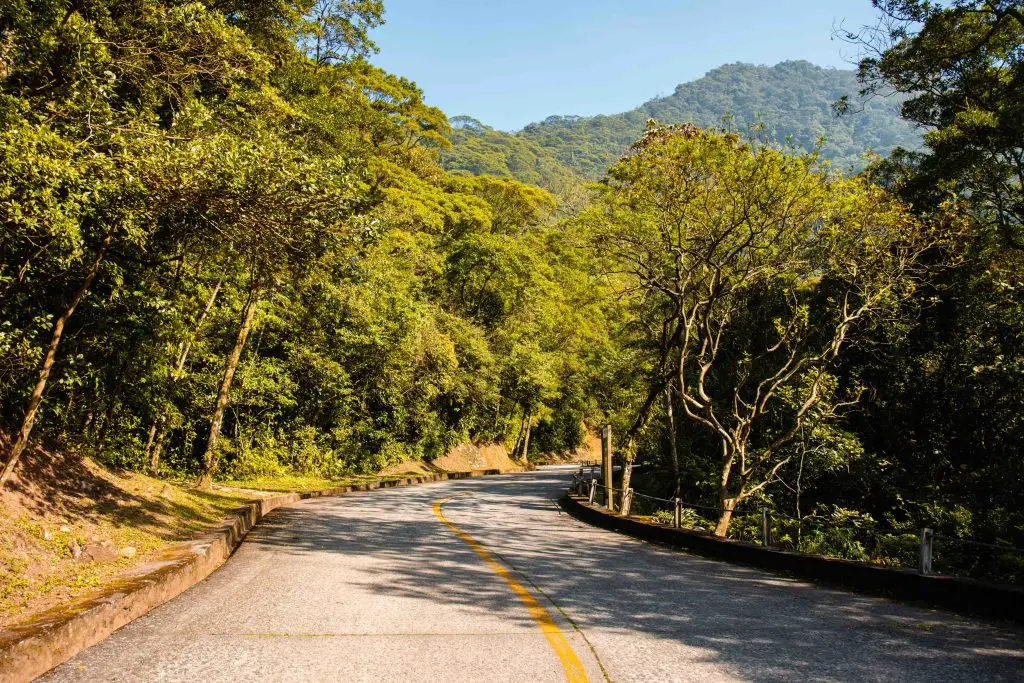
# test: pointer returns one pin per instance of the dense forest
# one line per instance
(792, 101)
(228, 247)
(231, 248)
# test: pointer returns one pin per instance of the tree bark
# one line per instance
(210, 454)
(523, 425)
(108, 417)
(150, 437)
(628, 456)
(726, 502)
(673, 446)
(158, 444)
(186, 346)
(47, 365)
(526, 441)
(799, 483)
(728, 506)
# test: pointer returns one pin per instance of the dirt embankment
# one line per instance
(473, 457)
(462, 458)
(589, 451)
(67, 526)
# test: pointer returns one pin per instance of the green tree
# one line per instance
(763, 267)
(946, 411)
(962, 66)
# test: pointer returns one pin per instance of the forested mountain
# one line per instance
(792, 99)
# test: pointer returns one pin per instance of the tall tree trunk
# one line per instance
(159, 424)
(728, 506)
(799, 483)
(726, 502)
(673, 445)
(157, 446)
(210, 454)
(150, 437)
(520, 435)
(628, 456)
(67, 410)
(108, 417)
(87, 422)
(526, 442)
(186, 346)
(47, 365)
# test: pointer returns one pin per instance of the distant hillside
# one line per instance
(793, 99)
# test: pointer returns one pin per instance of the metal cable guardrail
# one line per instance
(925, 550)
(979, 544)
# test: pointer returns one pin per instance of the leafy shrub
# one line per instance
(834, 542)
(663, 517)
(255, 458)
(688, 519)
(897, 550)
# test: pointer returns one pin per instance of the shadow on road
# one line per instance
(759, 626)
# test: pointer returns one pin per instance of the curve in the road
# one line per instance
(374, 587)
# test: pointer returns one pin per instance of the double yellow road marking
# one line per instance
(570, 662)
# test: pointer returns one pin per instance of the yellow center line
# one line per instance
(570, 662)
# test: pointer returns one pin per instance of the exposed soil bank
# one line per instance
(68, 526)
(478, 457)
(589, 451)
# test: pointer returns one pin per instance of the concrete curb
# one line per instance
(33, 648)
(967, 596)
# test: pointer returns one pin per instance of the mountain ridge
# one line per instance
(792, 100)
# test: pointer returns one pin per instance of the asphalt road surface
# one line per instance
(486, 580)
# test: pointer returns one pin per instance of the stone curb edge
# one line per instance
(31, 649)
(962, 595)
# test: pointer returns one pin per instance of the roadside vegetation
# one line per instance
(914, 419)
(231, 255)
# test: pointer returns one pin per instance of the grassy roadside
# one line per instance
(69, 526)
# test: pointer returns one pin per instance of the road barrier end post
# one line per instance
(924, 567)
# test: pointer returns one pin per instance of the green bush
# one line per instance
(897, 550)
(253, 458)
(834, 542)
(688, 519)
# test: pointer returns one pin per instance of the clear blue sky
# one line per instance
(508, 63)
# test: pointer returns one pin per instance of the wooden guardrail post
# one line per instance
(766, 527)
(924, 566)
(677, 517)
(593, 491)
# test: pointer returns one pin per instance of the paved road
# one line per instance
(376, 587)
